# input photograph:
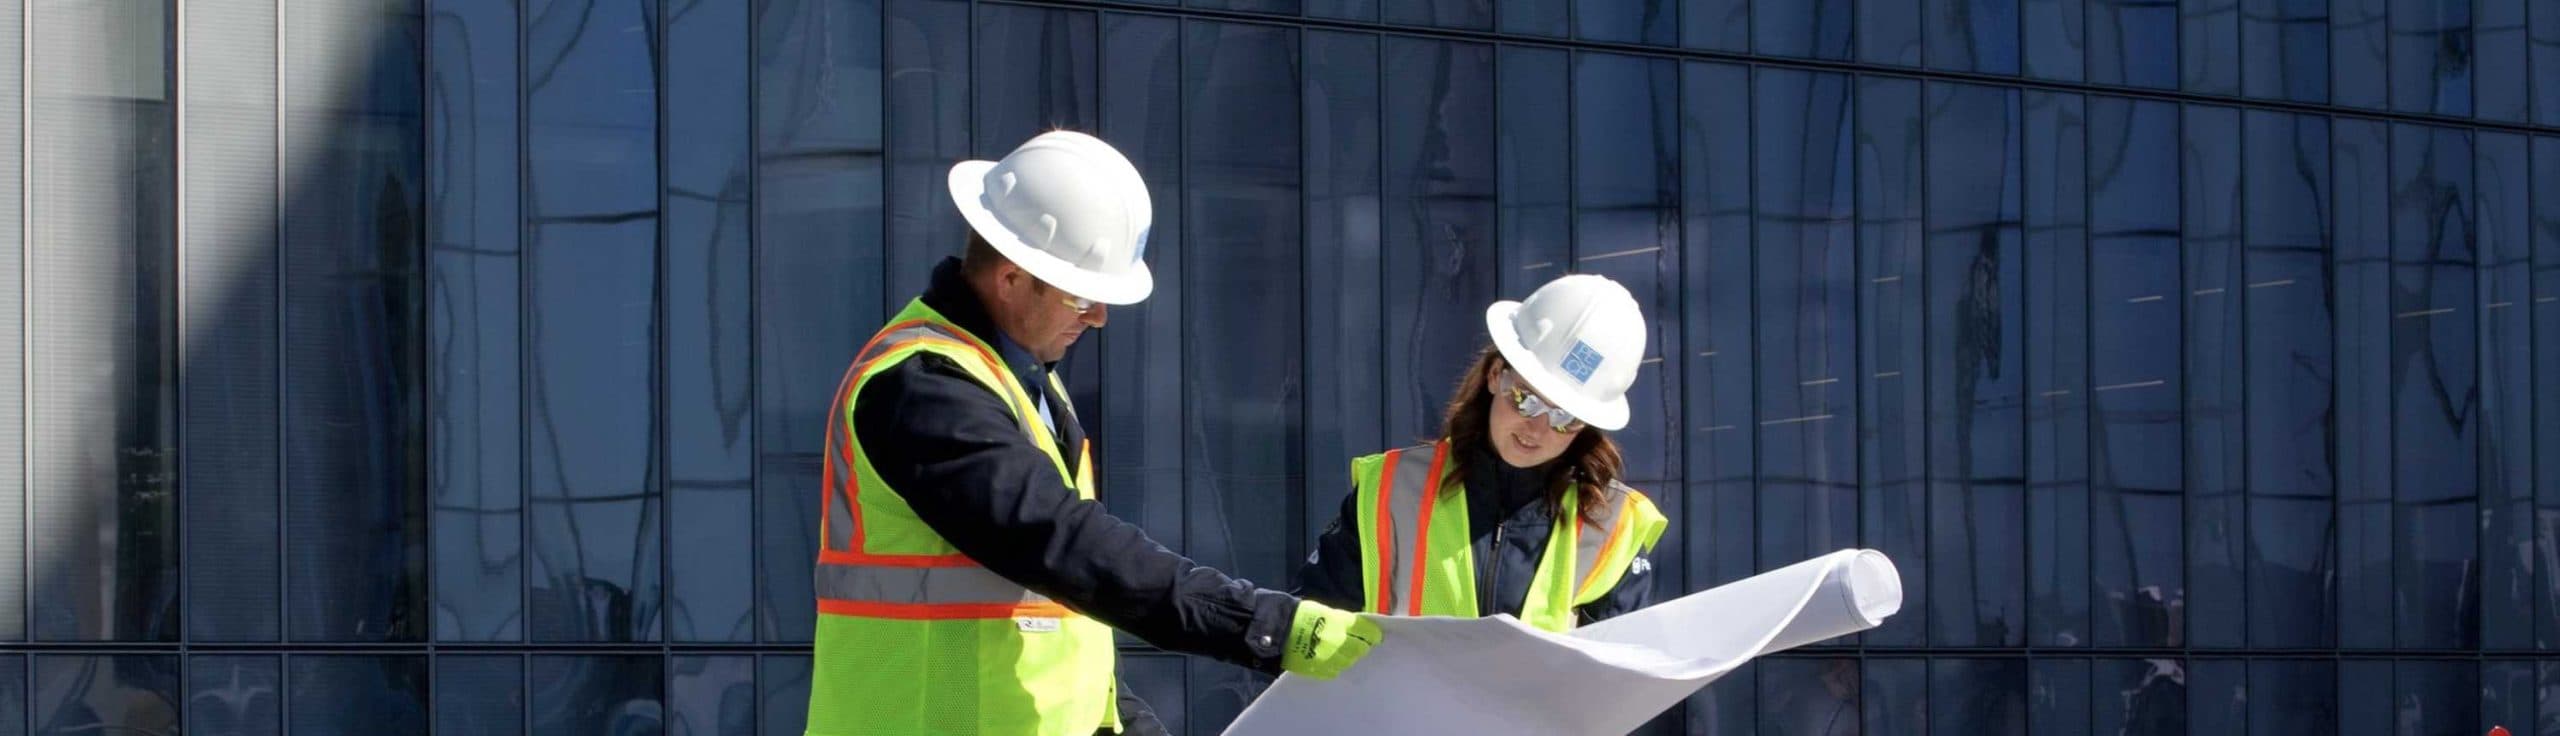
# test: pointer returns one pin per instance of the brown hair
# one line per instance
(1592, 460)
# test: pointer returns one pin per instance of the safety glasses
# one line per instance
(1080, 304)
(1532, 406)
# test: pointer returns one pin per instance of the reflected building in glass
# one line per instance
(461, 366)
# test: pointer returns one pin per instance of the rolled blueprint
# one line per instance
(1497, 675)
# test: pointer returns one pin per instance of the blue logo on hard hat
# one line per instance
(1581, 362)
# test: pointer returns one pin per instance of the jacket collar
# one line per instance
(949, 293)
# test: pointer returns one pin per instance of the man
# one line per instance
(967, 580)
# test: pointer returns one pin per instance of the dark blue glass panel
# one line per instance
(1466, 14)
(2431, 56)
(1281, 7)
(2136, 464)
(358, 694)
(1891, 383)
(1439, 216)
(13, 329)
(819, 262)
(2543, 58)
(1655, 22)
(475, 407)
(1362, 10)
(593, 307)
(2548, 717)
(103, 366)
(2361, 156)
(710, 696)
(1716, 188)
(1809, 697)
(2438, 697)
(2288, 339)
(710, 411)
(784, 680)
(2133, 43)
(927, 123)
(1806, 346)
(1889, 31)
(2057, 361)
(2508, 695)
(597, 693)
(2284, 49)
(1537, 17)
(240, 695)
(2546, 398)
(479, 695)
(2139, 697)
(2054, 31)
(1816, 29)
(1626, 176)
(1034, 73)
(1344, 295)
(1975, 297)
(2217, 696)
(1534, 178)
(129, 695)
(1140, 437)
(2209, 46)
(1729, 708)
(1243, 415)
(1978, 696)
(1895, 696)
(1720, 25)
(2504, 61)
(229, 463)
(2216, 525)
(2293, 696)
(13, 692)
(1158, 680)
(1972, 35)
(2359, 46)
(2505, 168)
(2365, 698)
(2058, 696)
(2435, 388)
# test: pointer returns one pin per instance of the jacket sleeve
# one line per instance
(1634, 592)
(1331, 575)
(952, 450)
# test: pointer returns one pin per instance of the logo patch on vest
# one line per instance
(1036, 624)
(1581, 362)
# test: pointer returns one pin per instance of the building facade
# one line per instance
(460, 366)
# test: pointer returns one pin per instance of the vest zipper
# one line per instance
(1493, 587)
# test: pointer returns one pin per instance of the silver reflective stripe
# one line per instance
(1405, 489)
(931, 585)
(840, 516)
(1593, 538)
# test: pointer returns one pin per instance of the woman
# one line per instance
(1518, 509)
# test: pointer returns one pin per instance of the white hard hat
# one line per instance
(1578, 341)
(1066, 207)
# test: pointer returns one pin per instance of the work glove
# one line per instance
(1323, 640)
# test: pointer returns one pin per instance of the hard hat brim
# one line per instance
(1609, 415)
(968, 184)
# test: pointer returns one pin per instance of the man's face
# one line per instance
(1041, 317)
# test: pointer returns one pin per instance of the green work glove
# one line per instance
(1323, 640)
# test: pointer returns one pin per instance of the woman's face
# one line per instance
(1523, 442)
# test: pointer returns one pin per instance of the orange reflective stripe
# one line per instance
(1386, 527)
(1422, 529)
(1617, 533)
(941, 611)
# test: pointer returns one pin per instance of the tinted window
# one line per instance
(1439, 214)
(2208, 46)
(235, 695)
(597, 694)
(1809, 696)
(1537, 17)
(710, 432)
(928, 125)
(2504, 62)
(1895, 696)
(1343, 285)
(360, 694)
(1626, 177)
(13, 331)
(1889, 32)
(2054, 33)
(1471, 14)
(2288, 695)
(1982, 696)
(1655, 22)
(784, 682)
(2057, 364)
(2284, 49)
(1891, 381)
(2058, 696)
(2438, 697)
(1139, 441)
(2431, 56)
(1719, 522)
(1811, 28)
(1976, 339)
(2544, 74)
(2434, 387)
(1722, 25)
(2217, 696)
(1805, 240)
(1972, 35)
(2133, 43)
(711, 695)
(2507, 430)
(2361, 259)
(2288, 340)
(2359, 41)
(2145, 697)
(2217, 538)
(2546, 342)
(479, 694)
(128, 694)
(2136, 509)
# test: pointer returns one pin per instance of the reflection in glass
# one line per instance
(2438, 697)
(1653, 22)
(13, 331)
(1978, 696)
(1809, 697)
(362, 694)
(102, 450)
(2058, 696)
(479, 695)
(1721, 25)
(785, 683)
(2504, 61)
(2208, 46)
(927, 119)
(2365, 698)
(2435, 388)
(1344, 293)
(234, 695)
(2217, 696)
(2431, 56)
(475, 407)
(1158, 680)
(2133, 43)
(2503, 168)
(2508, 696)
(13, 690)
(1891, 377)
(1466, 14)
(2292, 696)
(1976, 393)
(711, 696)
(710, 438)
(2284, 49)
(2054, 31)
(1817, 29)
(1439, 217)
(2139, 697)
(1535, 176)
(129, 695)
(1543, 17)
(2362, 300)
(607, 694)
(2359, 42)
(354, 491)
(1889, 31)
(1626, 180)
(2057, 361)
(2543, 52)
(1806, 255)
(2289, 341)
(1138, 440)
(1717, 349)
(2217, 539)
(1895, 696)
(2137, 468)
(2546, 411)
(1973, 35)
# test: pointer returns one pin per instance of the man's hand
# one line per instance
(1323, 640)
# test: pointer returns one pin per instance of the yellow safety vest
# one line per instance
(1416, 561)
(913, 636)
